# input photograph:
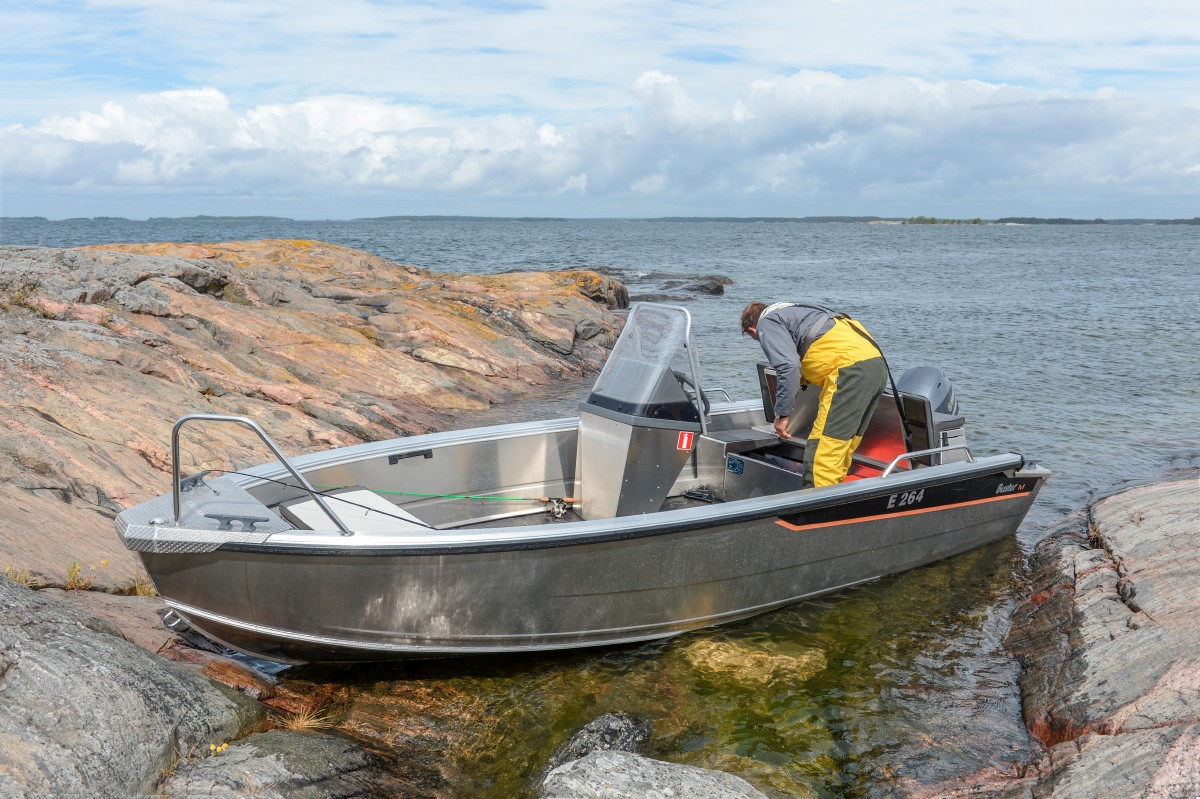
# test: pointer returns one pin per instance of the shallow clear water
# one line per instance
(1078, 346)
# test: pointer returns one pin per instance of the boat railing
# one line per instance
(266, 439)
(924, 452)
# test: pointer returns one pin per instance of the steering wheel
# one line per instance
(687, 382)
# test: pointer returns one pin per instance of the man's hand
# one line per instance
(781, 423)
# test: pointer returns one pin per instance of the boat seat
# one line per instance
(883, 440)
(362, 510)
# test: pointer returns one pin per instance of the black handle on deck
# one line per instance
(424, 453)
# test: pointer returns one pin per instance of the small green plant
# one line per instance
(144, 586)
(21, 294)
(76, 579)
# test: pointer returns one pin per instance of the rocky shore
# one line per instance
(102, 348)
(1109, 643)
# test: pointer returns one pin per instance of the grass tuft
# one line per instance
(307, 721)
(19, 576)
(144, 586)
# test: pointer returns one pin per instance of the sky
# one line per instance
(583, 108)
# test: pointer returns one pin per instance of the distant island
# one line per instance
(877, 220)
(444, 218)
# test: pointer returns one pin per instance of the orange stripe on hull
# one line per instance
(912, 512)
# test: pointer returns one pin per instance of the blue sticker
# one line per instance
(736, 465)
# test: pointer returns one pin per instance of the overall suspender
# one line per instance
(832, 314)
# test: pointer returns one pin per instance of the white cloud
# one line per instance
(632, 106)
(811, 142)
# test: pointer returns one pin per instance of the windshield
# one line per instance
(646, 372)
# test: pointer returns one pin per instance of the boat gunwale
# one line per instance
(553, 535)
(558, 534)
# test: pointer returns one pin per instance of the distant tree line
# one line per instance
(933, 220)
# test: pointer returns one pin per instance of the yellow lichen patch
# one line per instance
(144, 586)
(168, 248)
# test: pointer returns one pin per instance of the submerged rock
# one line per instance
(753, 667)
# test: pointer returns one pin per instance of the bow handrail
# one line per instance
(266, 439)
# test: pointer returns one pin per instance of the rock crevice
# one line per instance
(1109, 642)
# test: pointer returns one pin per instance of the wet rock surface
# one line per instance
(606, 758)
(1109, 641)
(288, 765)
(655, 286)
(610, 732)
(609, 774)
(619, 732)
(751, 667)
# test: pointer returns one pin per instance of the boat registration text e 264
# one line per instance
(905, 498)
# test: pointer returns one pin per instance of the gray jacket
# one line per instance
(785, 334)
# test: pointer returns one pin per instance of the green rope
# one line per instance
(437, 496)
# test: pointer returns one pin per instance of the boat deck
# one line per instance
(545, 516)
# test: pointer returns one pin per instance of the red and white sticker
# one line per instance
(685, 439)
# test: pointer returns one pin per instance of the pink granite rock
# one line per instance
(1110, 645)
(102, 348)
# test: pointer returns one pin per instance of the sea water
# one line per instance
(1077, 346)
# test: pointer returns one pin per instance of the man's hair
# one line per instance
(750, 315)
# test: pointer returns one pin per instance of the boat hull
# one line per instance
(582, 585)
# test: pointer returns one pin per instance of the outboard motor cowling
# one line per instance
(939, 423)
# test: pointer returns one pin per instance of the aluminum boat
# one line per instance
(655, 511)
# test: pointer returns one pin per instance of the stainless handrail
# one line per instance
(266, 439)
(921, 453)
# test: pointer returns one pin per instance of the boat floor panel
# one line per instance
(546, 517)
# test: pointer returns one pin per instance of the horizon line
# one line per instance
(845, 218)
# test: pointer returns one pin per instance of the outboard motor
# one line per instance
(638, 426)
(938, 422)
